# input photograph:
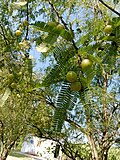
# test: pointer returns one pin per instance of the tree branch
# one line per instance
(7, 42)
(1, 131)
(3, 34)
(110, 8)
(27, 20)
(58, 15)
(113, 111)
(68, 151)
(75, 125)
(50, 102)
(64, 23)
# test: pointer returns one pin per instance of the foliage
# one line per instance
(97, 100)
(65, 32)
(114, 153)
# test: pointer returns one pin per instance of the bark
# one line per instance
(6, 151)
(103, 146)
(106, 155)
(93, 147)
(4, 154)
(101, 154)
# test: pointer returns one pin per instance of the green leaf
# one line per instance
(90, 77)
(40, 25)
(67, 34)
(54, 31)
(65, 102)
(115, 1)
(51, 38)
(43, 26)
(95, 59)
(109, 38)
(118, 23)
(84, 81)
(5, 97)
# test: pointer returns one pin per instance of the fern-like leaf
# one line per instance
(53, 76)
(63, 52)
(66, 101)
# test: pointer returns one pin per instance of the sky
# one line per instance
(36, 55)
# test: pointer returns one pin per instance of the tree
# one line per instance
(97, 108)
(69, 32)
(20, 105)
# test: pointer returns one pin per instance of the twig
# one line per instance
(7, 42)
(27, 20)
(57, 13)
(3, 34)
(64, 23)
(110, 8)
(113, 111)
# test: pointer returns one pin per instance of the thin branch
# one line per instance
(64, 23)
(3, 34)
(115, 108)
(39, 130)
(2, 131)
(75, 125)
(110, 8)
(27, 20)
(113, 111)
(50, 102)
(66, 150)
(7, 42)
(58, 15)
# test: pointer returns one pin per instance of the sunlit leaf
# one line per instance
(42, 48)
(50, 39)
(20, 3)
(5, 97)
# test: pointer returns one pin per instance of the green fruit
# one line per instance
(60, 27)
(52, 24)
(76, 86)
(86, 63)
(18, 32)
(26, 23)
(10, 77)
(68, 35)
(19, 74)
(108, 29)
(71, 76)
(13, 85)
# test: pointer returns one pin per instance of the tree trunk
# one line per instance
(101, 156)
(5, 150)
(93, 147)
(4, 154)
(104, 154)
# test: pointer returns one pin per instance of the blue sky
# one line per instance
(36, 55)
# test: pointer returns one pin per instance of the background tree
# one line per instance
(19, 103)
